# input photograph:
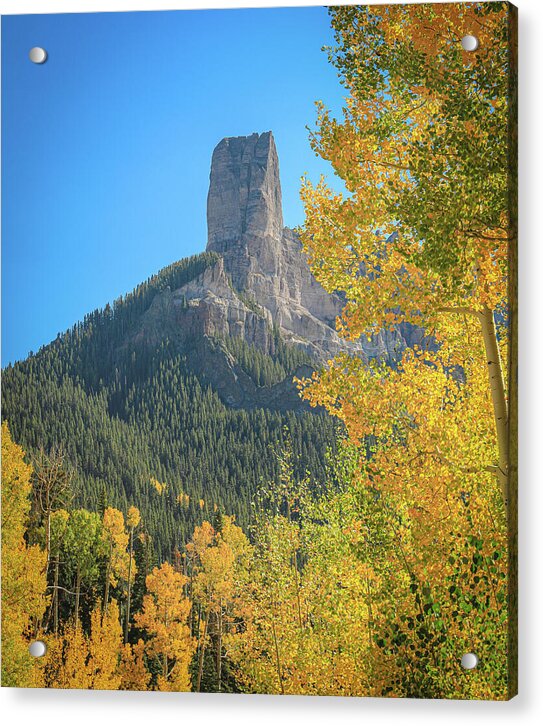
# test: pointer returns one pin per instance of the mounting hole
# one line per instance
(37, 649)
(38, 55)
(470, 43)
(469, 661)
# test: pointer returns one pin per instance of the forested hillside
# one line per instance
(127, 413)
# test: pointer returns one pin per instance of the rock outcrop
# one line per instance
(260, 281)
(263, 259)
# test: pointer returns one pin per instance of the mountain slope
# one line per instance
(188, 380)
(261, 281)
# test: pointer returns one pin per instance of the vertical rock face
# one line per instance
(244, 209)
(262, 279)
(263, 259)
(244, 197)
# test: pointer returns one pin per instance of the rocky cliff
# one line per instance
(260, 281)
(263, 259)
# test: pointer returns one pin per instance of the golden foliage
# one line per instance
(65, 662)
(134, 674)
(164, 618)
(23, 571)
(421, 238)
(160, 487)
(133, 517)
(116, 541)
(183, 500)
(105, 646)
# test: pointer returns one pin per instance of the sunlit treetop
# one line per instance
(423, 151)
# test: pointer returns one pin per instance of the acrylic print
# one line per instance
(259, 346)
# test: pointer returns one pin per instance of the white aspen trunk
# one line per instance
(499, 401)
(202, 653)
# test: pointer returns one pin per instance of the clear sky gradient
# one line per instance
(106, 147)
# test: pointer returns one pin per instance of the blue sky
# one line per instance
(106, 147)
